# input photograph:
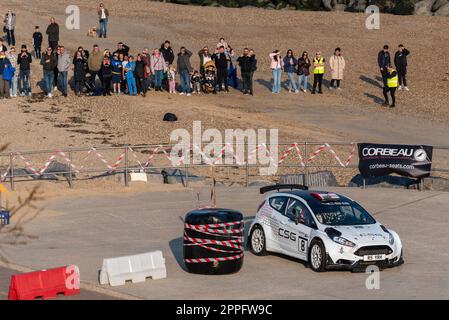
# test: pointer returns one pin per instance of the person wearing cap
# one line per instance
(13, 83)
(48, 62)
(384, 60)
(337, 64)
(103, 17)
(24, 61)
(10, 25)
(318, 72)
(392, 84)
(53, 33)
(400, 61)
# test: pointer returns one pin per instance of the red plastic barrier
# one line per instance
(45, 284)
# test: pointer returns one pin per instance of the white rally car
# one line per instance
(327, 230)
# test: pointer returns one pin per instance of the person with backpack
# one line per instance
(303, 71)
(290, 64)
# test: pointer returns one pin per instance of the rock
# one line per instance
(438, 4)
(424, 8)
(327, 4)
(339, 7)
(443, 11)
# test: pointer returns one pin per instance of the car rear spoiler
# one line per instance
(279, 187)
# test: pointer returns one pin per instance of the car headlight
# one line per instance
(391, 240)
(343, 241)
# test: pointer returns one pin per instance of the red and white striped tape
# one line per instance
(233, 246)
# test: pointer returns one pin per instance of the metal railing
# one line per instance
(303, 157)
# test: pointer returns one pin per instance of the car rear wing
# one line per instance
(279, 187)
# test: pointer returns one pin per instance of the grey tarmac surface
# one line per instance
(85, 230)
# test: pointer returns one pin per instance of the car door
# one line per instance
(298, 226)
(277, 205)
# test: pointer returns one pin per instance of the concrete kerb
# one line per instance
(84, 285)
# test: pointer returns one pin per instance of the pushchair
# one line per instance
(89, 86)
(209, 80)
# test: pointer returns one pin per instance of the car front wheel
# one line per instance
(317, 256)
(257, 241)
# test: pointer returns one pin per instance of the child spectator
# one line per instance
(129, 69)
(171, 74)
(196, 82)
(116, 65)
(37, 42)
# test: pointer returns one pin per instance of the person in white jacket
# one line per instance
(337, 64)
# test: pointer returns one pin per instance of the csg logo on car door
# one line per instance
(287, 234)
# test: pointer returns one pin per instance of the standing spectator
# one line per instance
(53, 33)
(122, 49)
(337, 64)
(290, 63)
(303, 71)
(106, 72)
(124, 83)
(400, 61)
(205, 57)
(5, 75)
(10, 25)
(276, 65)
(184, 70)
(37, 42)
(232, 70)
(253, 67)
(94, 63)
(146, 58)
(129, 73)
(63, 66)
(116, 65)
(24, 61)
(171, 75)
(13, 83)
(221, 63)
(222, 43)
(49, 61)
(392, 84)
(103, 16)
(79, 63)
(167, 52)
(139, 74)
(157, 68)
(318, 72)
(384, 60)
(246, 63)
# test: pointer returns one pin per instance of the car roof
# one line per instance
(308, 197)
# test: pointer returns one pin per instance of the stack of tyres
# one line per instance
(213, 241)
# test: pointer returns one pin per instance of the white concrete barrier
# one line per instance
(116, 271)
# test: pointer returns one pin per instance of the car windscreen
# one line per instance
(342, 214)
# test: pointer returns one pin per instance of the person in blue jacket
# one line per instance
(6, 75)
(129, 69)
(290, 65)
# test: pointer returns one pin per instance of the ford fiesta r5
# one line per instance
(327, 230)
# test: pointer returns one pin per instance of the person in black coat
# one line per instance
(79, 63)
(400, 61)
(221, 60)
(37, 42)
(384, 60)
(247, 68)
(53, 33)
(139, 74)
(106, 71)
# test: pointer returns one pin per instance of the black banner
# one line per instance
(406, 160)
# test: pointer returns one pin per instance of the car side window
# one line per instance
(297, 211)
(279, 204)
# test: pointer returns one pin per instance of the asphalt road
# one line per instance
(83, 231)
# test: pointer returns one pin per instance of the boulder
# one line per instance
(327, 4)
(424, 8)
(438, 4)
(443, 11)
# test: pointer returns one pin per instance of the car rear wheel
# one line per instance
(257, 241)
(317, 256)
